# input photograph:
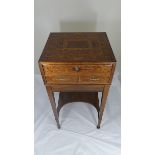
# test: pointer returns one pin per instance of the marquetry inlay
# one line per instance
(78, 47)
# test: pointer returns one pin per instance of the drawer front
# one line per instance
(50, 69)
(70, 79)
(77, 74)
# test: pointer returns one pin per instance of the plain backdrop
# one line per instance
(77, 16)
(17, 82)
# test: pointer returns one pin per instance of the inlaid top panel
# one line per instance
(78, 47)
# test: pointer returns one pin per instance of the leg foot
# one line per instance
(98, 127)
(58, 126)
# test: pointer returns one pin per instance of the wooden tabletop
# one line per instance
(77, 47)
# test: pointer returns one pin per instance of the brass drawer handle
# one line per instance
(77, 68)
(94, 79)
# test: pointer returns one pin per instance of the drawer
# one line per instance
(84, 79)
(50, 69)
(61, 79)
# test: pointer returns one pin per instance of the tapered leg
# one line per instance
(103, 102)
(53, 104)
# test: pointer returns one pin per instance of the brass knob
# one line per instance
(77, 68)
